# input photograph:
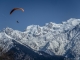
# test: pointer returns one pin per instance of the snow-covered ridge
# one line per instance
(55, 39)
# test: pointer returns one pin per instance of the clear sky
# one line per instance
(37, 12)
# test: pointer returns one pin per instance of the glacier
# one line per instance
(55, 39)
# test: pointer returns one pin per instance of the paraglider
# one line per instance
(16, 9)
(17, 21)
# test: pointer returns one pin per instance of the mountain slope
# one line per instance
(54, 39)
(23, 53)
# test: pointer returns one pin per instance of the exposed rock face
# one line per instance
(54, 39)
(23, 53)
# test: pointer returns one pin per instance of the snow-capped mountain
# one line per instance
(54, 39)
(21, 52)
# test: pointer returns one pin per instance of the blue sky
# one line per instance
(37, 12)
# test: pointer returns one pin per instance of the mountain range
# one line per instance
(49, 42)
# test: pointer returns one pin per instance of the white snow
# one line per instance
(55, 39)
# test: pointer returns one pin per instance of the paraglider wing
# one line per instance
(16, 9)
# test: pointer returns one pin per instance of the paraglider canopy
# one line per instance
(16, 9)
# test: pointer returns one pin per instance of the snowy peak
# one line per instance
(54, 39)
(52, 27)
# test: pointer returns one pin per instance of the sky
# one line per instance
(37, 12)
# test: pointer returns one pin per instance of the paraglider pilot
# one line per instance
(17, 21)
